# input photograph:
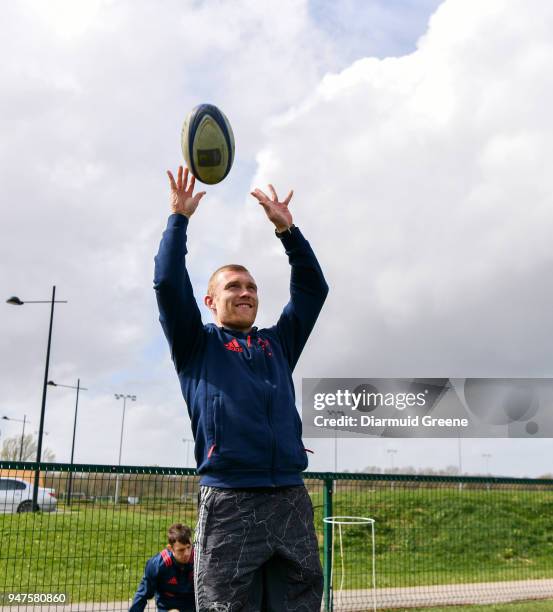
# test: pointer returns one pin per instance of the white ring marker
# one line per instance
(351, 520)
(348, 520)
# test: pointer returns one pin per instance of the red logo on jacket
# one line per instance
(265, 347)
(234, 345)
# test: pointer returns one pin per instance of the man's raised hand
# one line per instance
(276, 211)
(182, 198)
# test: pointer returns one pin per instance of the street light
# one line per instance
(78, 388)
(24, 421)
(459, 453)
(124, 397)
(336, 414)
(187, 442)
(14, 300)
(487, 457)
(392, 452)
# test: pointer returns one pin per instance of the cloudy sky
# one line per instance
(415, 133)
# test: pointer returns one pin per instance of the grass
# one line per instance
(443, 536)
(90, 553)
(423, 537)
(527, 606)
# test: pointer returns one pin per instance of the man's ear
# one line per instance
(208, 301)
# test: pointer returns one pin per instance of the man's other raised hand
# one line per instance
(276, 211)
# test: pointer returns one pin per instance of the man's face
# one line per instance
(180, 551)
(234, 301)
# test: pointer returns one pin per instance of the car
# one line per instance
(16, 495)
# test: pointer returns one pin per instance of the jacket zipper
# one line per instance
(273, 441)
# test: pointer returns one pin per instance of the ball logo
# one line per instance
(208, 158)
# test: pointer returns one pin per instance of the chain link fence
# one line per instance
(437, 540)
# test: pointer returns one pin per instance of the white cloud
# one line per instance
(422, 181)
(92, 105)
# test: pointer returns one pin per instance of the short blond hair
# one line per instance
(231, 268)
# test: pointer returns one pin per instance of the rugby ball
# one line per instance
(207, 143)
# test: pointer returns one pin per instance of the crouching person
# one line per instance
(169, 575)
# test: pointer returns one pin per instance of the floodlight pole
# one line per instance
(187, 442)
(22, 438)
(392, 452)
(70, 483)
(336, 413)
(78, 388)
(43, 407)
(124, 398)
(460, 455)
(487, 457)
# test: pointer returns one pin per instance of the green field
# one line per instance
(529, 606)
(96, 552)
(92, 553)
(442, 536)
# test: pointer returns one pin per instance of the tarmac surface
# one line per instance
(362, 600)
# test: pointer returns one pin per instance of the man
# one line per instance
(254, 511)
(168, 576)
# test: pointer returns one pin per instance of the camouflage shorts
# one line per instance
(256, 550)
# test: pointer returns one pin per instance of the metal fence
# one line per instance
(438, 540)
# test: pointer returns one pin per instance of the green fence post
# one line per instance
(327, 545)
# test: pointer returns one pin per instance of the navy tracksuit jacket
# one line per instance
(238, 387)
(171, 582)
